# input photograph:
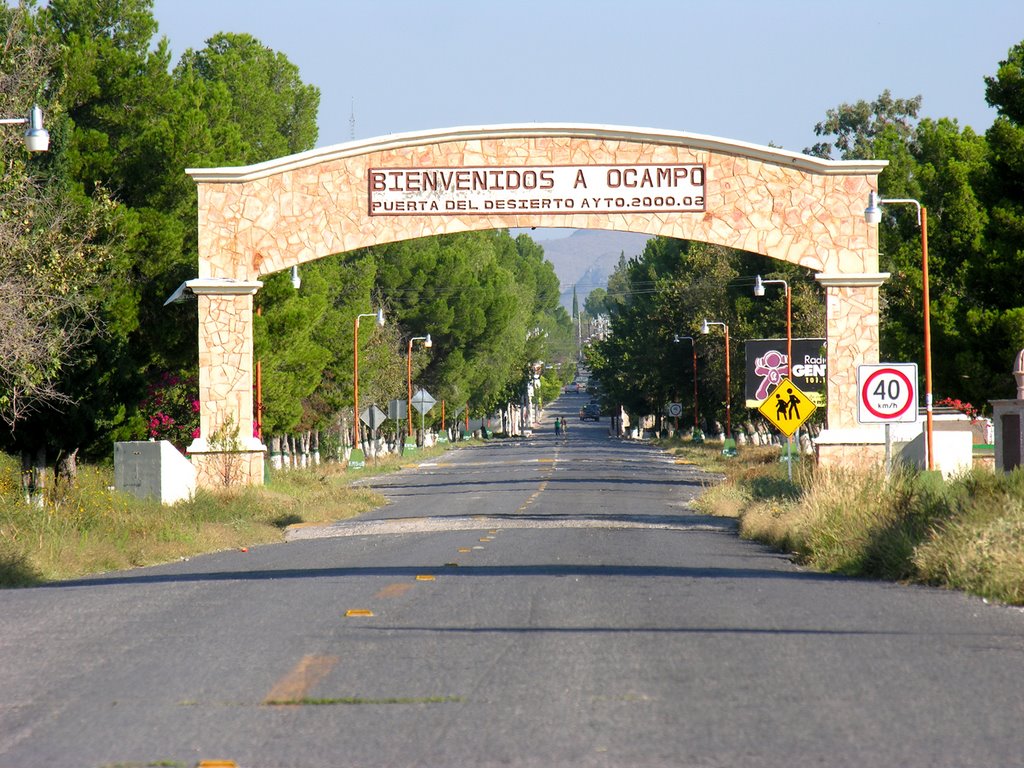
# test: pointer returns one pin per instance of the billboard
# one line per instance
(766, 366)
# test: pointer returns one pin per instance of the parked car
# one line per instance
(590, 411)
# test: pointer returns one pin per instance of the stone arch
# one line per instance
(261, 219)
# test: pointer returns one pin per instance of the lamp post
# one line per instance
(705, 328)
(693, 346)
(379, 315)
(37, 138)
(873, 215)
(408, 376)
(759, 285)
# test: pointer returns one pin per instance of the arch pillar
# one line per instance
(226, 451)
(852, 338)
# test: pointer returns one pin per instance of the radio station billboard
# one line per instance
(766, 367)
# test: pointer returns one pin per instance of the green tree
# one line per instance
(998, 318)
(618, 284)
(942, 166)
(133, 127)
(292, 361)
(349, 279)
(273, 109)
(596, 302)
(855, 126)
(119, 103)
(55, 248)
(667, 292)
(459, 289)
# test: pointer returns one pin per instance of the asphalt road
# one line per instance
(534, 603)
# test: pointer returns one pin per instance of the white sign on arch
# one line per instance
(555, 189)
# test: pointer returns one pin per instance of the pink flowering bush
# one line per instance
(171, 409)
(965, 408)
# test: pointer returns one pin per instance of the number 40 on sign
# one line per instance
(887, 393)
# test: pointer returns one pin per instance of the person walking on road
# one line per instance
(558, 427)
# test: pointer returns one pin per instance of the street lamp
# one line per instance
(408, 376)
(37, 138)
(693, 346)
(705, 328)
(873, 215)
(379, 315)
(759, 285)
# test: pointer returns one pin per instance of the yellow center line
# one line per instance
(296, 685)
(533, 497)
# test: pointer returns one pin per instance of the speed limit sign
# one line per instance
(887, 393)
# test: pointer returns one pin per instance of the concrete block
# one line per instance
(153, 469)
(953, 451)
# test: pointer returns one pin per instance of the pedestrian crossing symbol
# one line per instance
(787, 407)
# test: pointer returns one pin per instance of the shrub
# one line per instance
(981, 549)
(966, 533)
(171, 409)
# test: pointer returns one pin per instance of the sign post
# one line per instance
(372, 417)
(887, 393)
(423, 401)
(787, 408)
(674, 411)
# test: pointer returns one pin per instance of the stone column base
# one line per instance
(860, 448)
(227, 469)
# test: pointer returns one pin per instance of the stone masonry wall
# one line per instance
(263, 219)
(269, 223)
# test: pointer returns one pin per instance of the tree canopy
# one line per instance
(96, 233)
(664, 295)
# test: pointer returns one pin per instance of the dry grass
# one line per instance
(91, 529)
(966, 533)
(981, 550)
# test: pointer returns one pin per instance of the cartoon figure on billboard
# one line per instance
(772, 367)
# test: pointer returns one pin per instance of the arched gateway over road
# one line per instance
(260, 219)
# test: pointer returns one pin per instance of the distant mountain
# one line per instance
(587, 257)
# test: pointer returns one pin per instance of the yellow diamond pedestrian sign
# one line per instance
(787, 407)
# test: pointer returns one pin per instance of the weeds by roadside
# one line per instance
(966, 533)
(90, 528)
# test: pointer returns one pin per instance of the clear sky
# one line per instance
(755, 71)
